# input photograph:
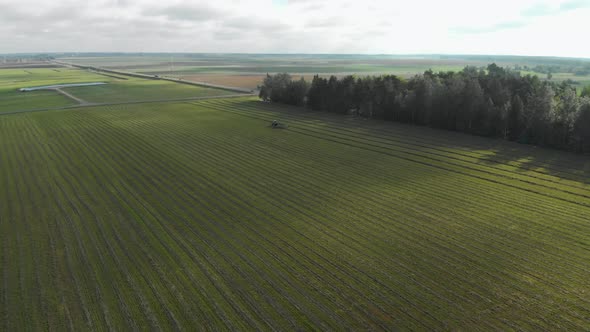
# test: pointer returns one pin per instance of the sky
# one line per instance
(511, 27)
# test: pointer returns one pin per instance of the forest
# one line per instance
(494, 102)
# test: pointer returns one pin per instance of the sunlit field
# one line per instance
(198, 214)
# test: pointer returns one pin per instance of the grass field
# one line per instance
(580, 81)
(337, 69)
(135, 89)
(185, 215)
(13, 79)
(242, 68)
(17, 78)
(240, 81)
(246, 70)
(121, 89)
(14, 100)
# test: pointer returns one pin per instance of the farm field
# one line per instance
(21, 77)
(134, 89)
(118, 89)
(13, 79)
(197, 214)
(244, 70)
(580, 81)
(241, 65)
(240, 81)
(14, 100)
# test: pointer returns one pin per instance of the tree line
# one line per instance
(495, 102)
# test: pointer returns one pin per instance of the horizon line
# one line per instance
(308, 54)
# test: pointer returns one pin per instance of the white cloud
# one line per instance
(528, 27)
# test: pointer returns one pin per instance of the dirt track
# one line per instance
(80, 101)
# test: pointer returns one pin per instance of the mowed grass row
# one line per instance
(499, 197)
(556, 167)
(570, 194)
(523, 158)
(511, 201)
(583, 216)
(183, 215)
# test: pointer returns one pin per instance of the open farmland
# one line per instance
(135, 89)
(197, 214)
(13, 79)
(118, 89)
(240, 81)
(246, 70)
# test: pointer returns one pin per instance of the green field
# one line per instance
(13, 79)
(239, 64)
(200, 216)
(13, 100)
(135, 89)
(117, 90)
(18, 78)
(220, 68)
(349, 69)
(579, 82)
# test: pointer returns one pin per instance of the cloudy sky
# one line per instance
(520, 27)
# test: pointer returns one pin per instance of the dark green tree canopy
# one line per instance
(495, 102)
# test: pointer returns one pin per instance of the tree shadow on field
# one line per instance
(378, 200)
(561, 164)
(438, 143)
